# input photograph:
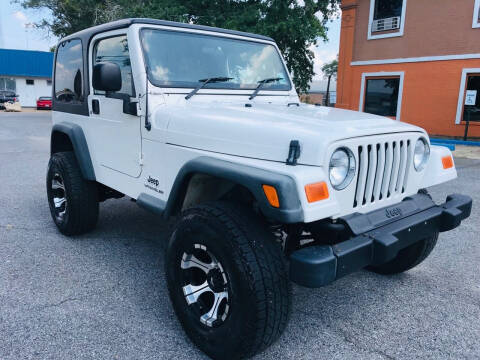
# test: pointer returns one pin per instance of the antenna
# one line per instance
(148, 124)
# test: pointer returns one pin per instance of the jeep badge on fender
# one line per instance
(209, 112)
(153, 181)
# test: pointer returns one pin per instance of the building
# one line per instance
(318, 91)
(28, 73)
(414, 61)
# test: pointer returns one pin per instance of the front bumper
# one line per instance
(377, 237)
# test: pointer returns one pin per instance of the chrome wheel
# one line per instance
(59, 196)
(205, 286)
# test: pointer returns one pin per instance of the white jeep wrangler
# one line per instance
(204, 125)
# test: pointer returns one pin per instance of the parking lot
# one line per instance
(103, 295)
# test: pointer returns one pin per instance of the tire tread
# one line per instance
(263, 262)
(82, 195)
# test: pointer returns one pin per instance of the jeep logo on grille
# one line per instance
(393, 212)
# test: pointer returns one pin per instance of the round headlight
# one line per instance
(421, 154)
(341, 168)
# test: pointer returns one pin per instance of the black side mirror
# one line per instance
(107, 77)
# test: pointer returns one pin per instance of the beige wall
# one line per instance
(432, 28)
(311, 98)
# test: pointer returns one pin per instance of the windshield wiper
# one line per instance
(261, 83)
(204, 82)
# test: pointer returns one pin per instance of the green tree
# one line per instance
(330, 70)
(295, 25)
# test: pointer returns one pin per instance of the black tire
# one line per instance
(79, 214)
(408, 258)
(256, 281)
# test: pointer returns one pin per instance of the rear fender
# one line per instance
(78, 146)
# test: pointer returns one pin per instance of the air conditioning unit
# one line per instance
(386, 24)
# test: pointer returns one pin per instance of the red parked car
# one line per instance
(44, 102)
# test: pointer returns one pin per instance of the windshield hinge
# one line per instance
(293, 153)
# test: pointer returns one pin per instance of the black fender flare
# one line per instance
(80, 146)
(290, 210)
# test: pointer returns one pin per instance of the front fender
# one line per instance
(290, 210)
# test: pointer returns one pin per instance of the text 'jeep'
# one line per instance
(204, 125)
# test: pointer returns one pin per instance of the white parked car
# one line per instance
(204, 125)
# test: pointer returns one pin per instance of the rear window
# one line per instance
(68, 72)
(44, 98)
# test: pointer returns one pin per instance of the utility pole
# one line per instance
(26, 27)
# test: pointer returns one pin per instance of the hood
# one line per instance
(264, 131)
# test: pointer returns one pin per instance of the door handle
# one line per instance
(95, 106)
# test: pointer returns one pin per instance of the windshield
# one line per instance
(180, 59)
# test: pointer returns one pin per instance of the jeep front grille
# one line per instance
(382, 170)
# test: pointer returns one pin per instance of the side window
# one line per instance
(115, 50)
(68, 72)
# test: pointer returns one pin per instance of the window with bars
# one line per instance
(387, 15)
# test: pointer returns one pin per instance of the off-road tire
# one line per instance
(81, 209)
(408, 258)
(258, 284)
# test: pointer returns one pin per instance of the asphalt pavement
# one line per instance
(103, 295)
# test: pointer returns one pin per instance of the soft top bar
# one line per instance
(88, 33)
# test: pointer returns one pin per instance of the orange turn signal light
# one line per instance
(272, 196)
(316, 192)
(447, 162)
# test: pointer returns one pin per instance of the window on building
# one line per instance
(8, 84)
(115, 50)
(387, 9)
(30, 81)
(386, 15)
(49, 82)
(476, 14)
(473, 84)
(68, 72)
(381, 96)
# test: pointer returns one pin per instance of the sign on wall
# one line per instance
(471, 97)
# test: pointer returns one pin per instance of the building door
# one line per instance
(27, 97)
(116, 135)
